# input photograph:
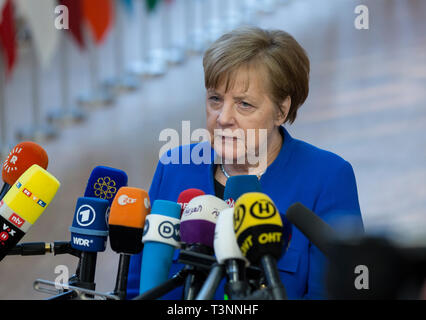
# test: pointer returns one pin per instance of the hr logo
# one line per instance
(362, 280)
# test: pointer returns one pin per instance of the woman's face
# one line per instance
(243, 110)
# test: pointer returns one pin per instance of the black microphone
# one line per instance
(312, 226)
(126, 222)
(41, 248)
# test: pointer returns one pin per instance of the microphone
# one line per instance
(197, 227)
(19, 160)
(186, 196)
(23, 204)
(229, 254)
(126, 222)
(104, 183)
(260, 236)
(89, 233)
(160, 238)
(238, 185)
(312, 226)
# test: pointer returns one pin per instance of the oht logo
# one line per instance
(362, 280)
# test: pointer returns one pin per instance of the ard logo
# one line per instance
(239, 213)
(263, 209)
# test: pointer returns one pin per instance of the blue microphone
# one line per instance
(104, 183)
(89, 232)
(160, 238)
(238, 185)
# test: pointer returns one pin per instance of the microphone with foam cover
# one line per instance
(160, 238)
(197, 227)
(260, 236)
(19, 160)
(186, 196)
(127, 219)
(198, 220)
(238, 185)
(229, 254)
(23, 204)
(89, 232)
(126, 222)
(104, 183)
(312, 226)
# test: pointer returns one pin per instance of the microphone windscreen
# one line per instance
(312, 226)
(160, 238)
(186, 196)
(21, 158)
(31, 194)
(23, 204)
(198, 220)
(258, 227)
(238, 185)
(89, 230)
(104, 182)
(225, 242)
(127, 219)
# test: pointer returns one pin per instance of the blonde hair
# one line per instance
(284, 62)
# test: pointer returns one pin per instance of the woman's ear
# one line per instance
(284, 109)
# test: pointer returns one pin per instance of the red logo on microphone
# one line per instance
(16, 220)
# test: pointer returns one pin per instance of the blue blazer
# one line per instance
(319, 179)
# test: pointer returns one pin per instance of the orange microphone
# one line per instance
(126, 222)
(21, 158)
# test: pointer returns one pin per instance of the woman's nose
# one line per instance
(226, 115)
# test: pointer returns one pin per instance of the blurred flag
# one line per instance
(152, 4)
(98, 14)
(7, 34)
(128, 4)
(40, 16)
(75, 11)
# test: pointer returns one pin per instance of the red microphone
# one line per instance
(186, 196)
(21, 158)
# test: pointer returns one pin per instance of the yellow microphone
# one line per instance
(23, 204)
(260, 236)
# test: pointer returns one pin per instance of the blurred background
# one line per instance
(100, 93)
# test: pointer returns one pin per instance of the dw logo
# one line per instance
(169, 230)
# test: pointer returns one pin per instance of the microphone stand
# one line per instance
(210, 285)
(122, 275)
(273, 278)
(176, 281)
(191, 259)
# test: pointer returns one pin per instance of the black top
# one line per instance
(219, 189)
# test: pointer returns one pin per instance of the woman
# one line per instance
(256, 80)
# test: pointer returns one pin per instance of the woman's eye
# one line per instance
(214, 99)
(245, 105)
